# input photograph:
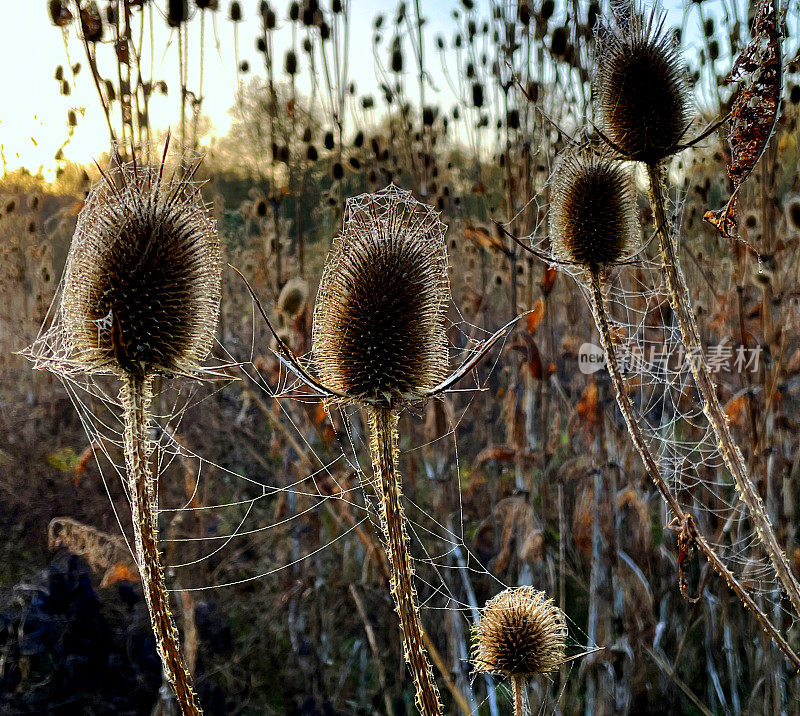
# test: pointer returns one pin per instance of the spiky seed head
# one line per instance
(593, 210)
(293, 296)
(639, 87)
(379, 321)
(521, 633)
(142, 284)
(793, 213)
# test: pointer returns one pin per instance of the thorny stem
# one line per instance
(639, 442)
(520, 702)
(731, 454)
(384, 451)
(135, 396)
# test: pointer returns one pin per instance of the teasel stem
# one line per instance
(383, 448)
(521, 706)
(136, 396)
(731, 454)
(626, 408)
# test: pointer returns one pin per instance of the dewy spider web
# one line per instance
(199, 532)
(668, 408)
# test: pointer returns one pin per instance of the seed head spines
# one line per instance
(521, 633)
(639, 87)
(142, 285)
(593, 221)
(379, 322)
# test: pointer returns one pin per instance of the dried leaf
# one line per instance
(587, 406)
(536, 315)
(755, 109)
(735, 409)
(481, 237)
(548, 279)
(686, 540)
(499, 453)
(119, 572)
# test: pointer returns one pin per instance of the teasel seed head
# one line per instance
(293, 297)
(639, 87)
(521, 633)
(593, 210)
(379, 321)
(793, 213)
(142, 284)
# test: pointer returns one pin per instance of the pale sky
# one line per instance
(33, 114)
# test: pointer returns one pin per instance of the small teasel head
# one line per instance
(142, 285)
(379, 322)
(521, 633)
(639, 86)
(593, 220)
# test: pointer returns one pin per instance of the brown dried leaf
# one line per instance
(481, 237)
(119, 572)
(755, 109)
(548, 279)
(536, 315)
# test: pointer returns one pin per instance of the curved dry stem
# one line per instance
(639, 442)
(734, 461)
(383, 448)
(135, 396)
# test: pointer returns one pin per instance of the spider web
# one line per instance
(210, 510)
(668, 407)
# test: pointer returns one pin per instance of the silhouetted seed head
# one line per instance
(593, 210)
(522, 633)
(91, 22)
(793, 213)
(59, 13)
(142, 284)
(291, 62)
(293, 296)
(177, 12)
(235, 12)
(379, 322)
(640, 88)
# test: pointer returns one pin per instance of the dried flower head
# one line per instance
(379, 322)
(293, 297)
(593, 210)
(142, 284)
(639, 87)
(522, 633)
(793, 213)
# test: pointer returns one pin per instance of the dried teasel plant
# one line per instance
(521, 633)
(140, 299)
(593, 227)
(379, 341)
(642, 102)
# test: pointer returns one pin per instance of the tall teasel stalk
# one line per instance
(521, 633)
(593, 226)
(644, 114)
(379, 342)
(140, 299)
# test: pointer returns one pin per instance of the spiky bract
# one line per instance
(379, 322)
(593, 220)
(639, 87)
(142, 285)
(521, 633)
